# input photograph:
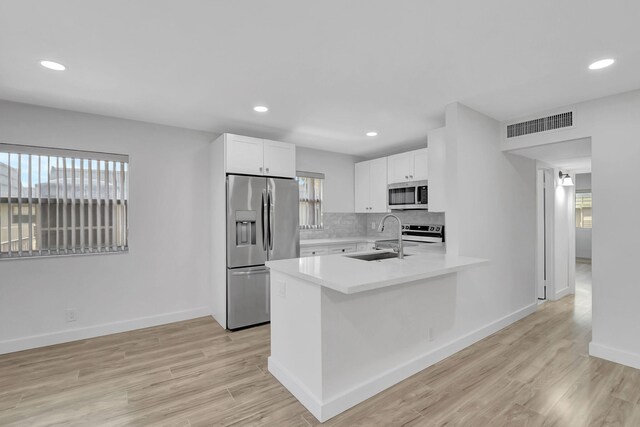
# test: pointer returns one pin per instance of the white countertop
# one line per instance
(349, 276)
(335, 240)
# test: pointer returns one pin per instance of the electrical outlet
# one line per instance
(430, 334)
(71, 314)
(373, 225)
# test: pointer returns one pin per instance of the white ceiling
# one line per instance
(329, 70)
(573, 155)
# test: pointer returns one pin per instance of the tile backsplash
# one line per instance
(338, 225)
(359, 224)
(407, 217)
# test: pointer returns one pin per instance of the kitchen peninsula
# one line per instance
(344, 329)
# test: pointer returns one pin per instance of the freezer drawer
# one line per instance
(247, 296)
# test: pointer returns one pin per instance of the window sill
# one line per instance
(70, 254)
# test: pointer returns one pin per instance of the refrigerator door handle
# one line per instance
(271, 219)
(264, 207)
(250, 272)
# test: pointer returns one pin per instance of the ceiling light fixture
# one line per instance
(260, 109)
(565, 179)
(603, 63)
(372, 133)
(52, 65)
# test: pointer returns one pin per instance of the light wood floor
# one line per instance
(535, 372)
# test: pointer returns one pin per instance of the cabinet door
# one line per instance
(420, 165)
(378, 185)
(342, 249)
(400, 167)
(314, 251)
(362, 187)
(279, 159)
(244, 155)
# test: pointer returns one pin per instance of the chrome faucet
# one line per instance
(381, 229)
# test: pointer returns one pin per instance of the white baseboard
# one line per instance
(324, 410)
(35, 341)
(562, 293)
(299, 390)
(614, 355)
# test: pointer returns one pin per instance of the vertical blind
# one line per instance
(60, 202)
(310, 185)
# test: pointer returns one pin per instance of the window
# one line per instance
(310, 185)
(583, 210)
(61, 202)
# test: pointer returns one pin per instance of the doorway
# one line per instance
(557, 165)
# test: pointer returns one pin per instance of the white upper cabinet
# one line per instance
(409, 166)
(362, 187)
(420, 165)
(255, 156)
(279, 159)
(371, 186)
(244, 154)
(400, 167)
(378, 179)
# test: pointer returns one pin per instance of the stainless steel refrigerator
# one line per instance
(262, 225)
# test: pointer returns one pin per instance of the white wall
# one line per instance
(491, 208)
(613, 123)
(163, 278)
(339, 176)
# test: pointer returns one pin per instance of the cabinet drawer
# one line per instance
(342, 249)
(313, 251)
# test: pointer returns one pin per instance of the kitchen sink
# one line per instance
(376, 256)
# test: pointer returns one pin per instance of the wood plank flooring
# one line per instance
(535, 372)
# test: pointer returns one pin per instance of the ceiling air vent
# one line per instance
(543, 124)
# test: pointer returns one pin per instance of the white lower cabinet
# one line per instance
(342, 249)
(335, 248)
(314, 250)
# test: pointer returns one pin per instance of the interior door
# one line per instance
(248, 298)
(246, 221)
(279, 159)
(283, 240)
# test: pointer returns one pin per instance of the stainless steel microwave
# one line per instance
(408, 195)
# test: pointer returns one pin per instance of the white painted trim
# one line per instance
(562, 293)
(324, 410)
(35, 341)
(614, 355)
(295, 387)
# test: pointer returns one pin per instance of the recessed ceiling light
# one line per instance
(372, 133)
(603, 63)
(56, 66)
(260, 109)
